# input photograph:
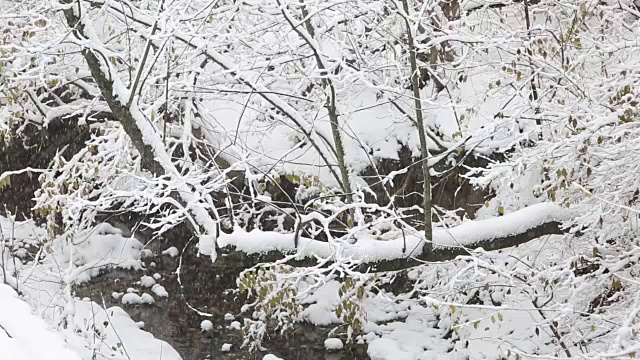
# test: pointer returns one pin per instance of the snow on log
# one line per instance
(517, 222)
(386, 255)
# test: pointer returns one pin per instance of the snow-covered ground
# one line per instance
(26, 336)
(46, 322)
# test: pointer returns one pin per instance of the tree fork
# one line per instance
(121, 112)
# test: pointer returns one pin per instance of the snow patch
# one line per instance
(24, 336)
(135, 299)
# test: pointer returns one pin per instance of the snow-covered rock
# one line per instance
(206, 325)
(271, 357)
(333, 344)
(135, 299)
(159, 290)
(147, 281)
(172, 251)
(235, 325)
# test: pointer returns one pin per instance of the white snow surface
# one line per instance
(26, 336)
(34, 322)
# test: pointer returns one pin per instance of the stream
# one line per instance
(172, 320)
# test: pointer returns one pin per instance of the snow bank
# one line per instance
(385, 349)
(91, 329)
(93, 251)
(122, 337)
(24, 336)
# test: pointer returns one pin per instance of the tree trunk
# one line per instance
(424, 150)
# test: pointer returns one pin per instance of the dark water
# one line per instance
(171, 320)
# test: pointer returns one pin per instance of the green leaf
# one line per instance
(500, 317)
(476, 324)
